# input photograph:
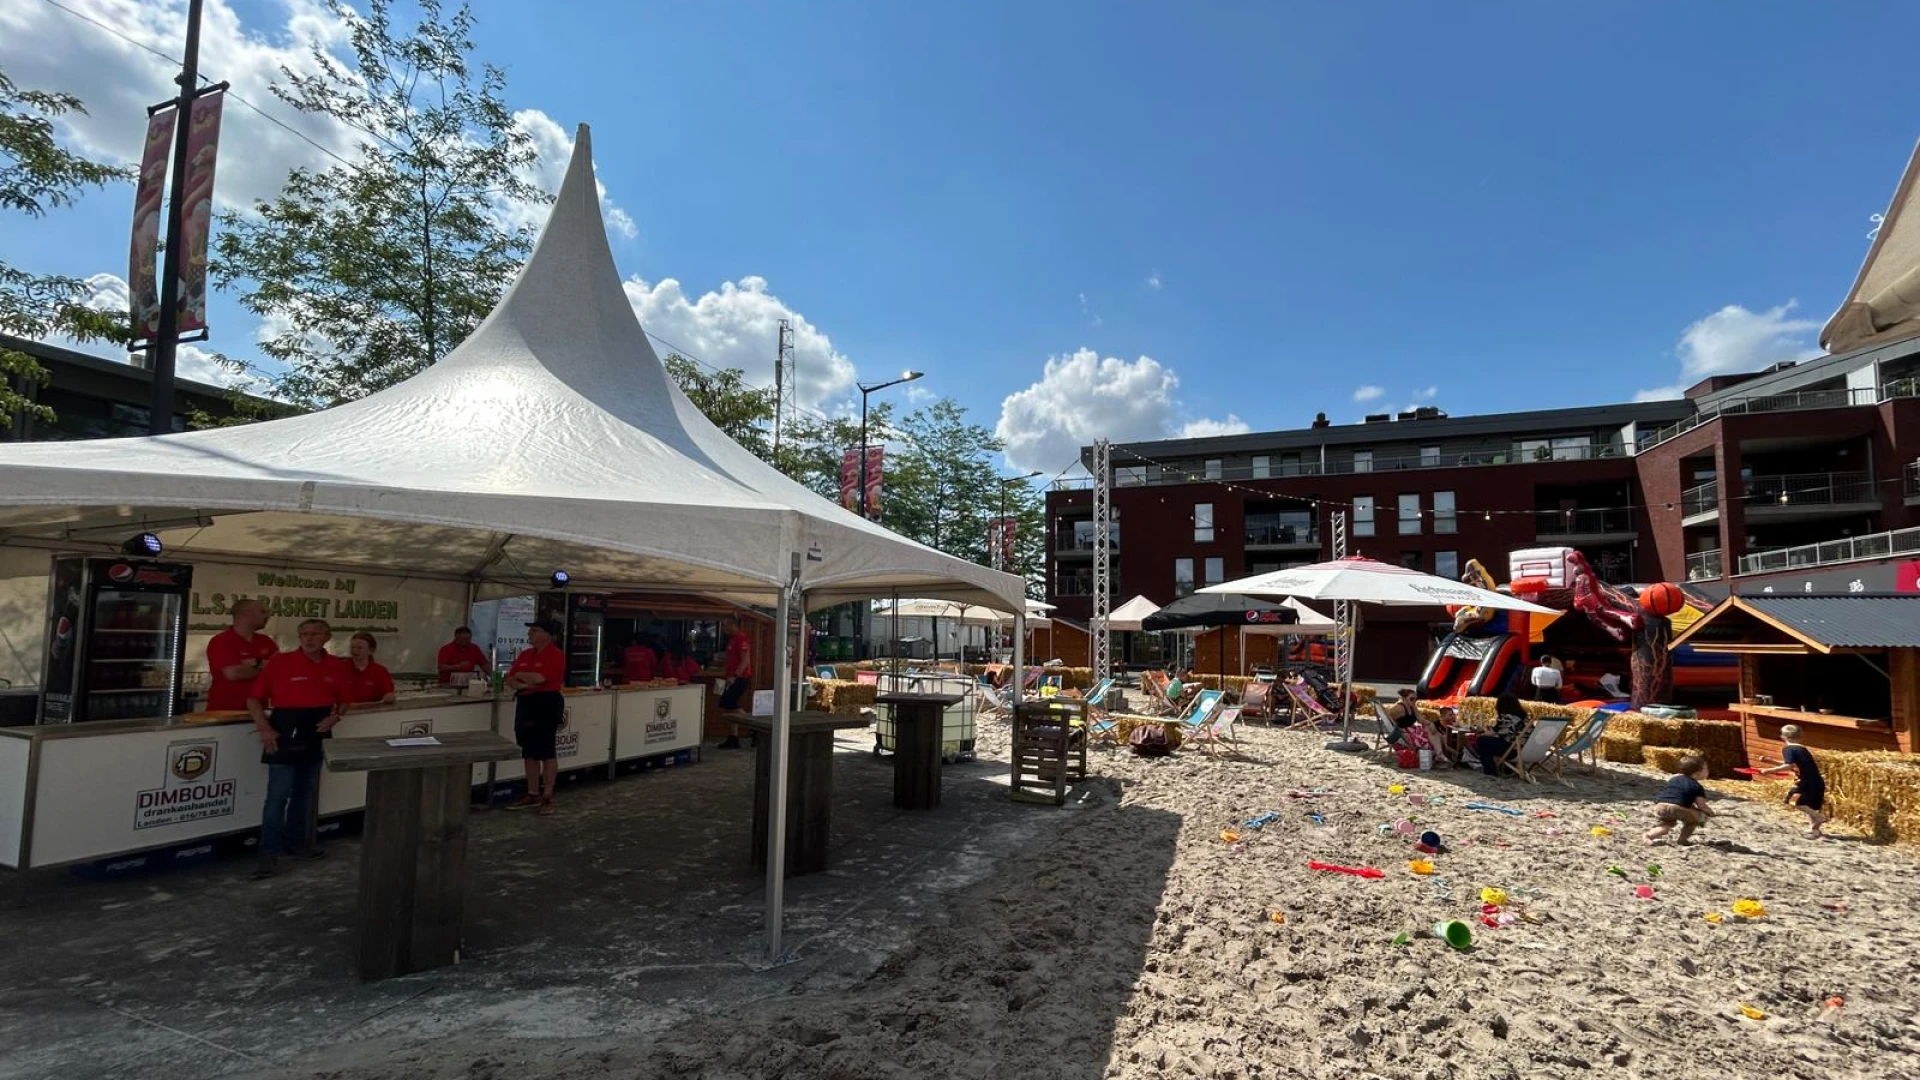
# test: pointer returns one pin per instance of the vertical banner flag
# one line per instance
(143, 286)
(203, 143)
(1009, 531)
(850, 480)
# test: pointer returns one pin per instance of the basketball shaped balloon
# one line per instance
(1662, 599)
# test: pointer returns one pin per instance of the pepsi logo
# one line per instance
(120, 572)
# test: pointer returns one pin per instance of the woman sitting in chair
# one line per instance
(1509, 730)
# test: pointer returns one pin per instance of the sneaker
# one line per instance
(264, 869)
(546, 808)
(524, 802)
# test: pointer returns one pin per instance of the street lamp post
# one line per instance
(905, 376)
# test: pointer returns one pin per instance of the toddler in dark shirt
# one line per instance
(1682, 802)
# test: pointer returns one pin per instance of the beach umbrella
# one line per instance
(1361, 580)
(1203, 610)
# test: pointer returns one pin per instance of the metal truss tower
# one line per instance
(1102, 566)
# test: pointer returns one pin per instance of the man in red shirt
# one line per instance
(535, 678)
(461, 654)
(637, 662)
(236, 655)
(306, 689)
(736, 673)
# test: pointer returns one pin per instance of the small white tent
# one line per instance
(551, 439)
(1128, 615)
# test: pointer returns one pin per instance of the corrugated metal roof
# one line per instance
(1845, 620)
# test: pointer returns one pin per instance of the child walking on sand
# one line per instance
(1810, 792)
(1682, 802)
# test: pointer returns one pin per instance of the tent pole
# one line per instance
(777, 774)
(1019, 659)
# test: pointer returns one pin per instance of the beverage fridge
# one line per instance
(582, 619)
(116, 636)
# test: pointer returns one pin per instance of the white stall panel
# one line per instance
(14, 756)
(583, 741)
(107, 794)
(344, 791)
(660, 721)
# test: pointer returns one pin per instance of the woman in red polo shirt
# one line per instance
(368, 683)
(535, 678)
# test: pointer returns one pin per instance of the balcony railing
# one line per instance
(1913, 480)
(1067, 541)
(1704, 566)
(1792, 489)
(1582, 522)
(1272, 533)
(1796, 402)
(1073, 585)
(1873, 546)
(1135, 476)
(1815, 489)
(1704, 499)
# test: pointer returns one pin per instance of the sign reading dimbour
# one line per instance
(190, 790)
(662, 727)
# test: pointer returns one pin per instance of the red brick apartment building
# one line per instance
(1802, 476)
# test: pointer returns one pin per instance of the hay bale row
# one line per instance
(841, 697)
(1620, 749)
(1667, 758)
(1876, 791)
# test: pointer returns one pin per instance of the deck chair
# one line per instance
(993, 701)
(1256, 701)
(1526, 756)
(1307, 710)
(1156, 686)
(1205, 704)
(825, 671)
(1214, 730)
(1582, 743)
(1390, 737)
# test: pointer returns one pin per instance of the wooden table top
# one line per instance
(456, 748)
(802, 723)
(903, 698)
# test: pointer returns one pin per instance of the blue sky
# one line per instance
(1488, 207)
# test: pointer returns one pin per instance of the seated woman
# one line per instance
(1442, 736)
(1405, 714)
(1509, 727)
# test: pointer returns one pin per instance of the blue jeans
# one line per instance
(290, 793)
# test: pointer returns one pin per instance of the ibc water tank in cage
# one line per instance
(956, 739)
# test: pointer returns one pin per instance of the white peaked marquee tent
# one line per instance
(551, 439)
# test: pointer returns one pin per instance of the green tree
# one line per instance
(744, 412)
(36, 175)
(372, 270)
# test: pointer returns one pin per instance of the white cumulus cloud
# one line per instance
(737, 326)
(1369, 393)
(1083, 396)
(554, 144)
(1153, 280)
(1735, 339)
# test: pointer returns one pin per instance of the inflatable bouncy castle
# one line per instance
(1605, 632)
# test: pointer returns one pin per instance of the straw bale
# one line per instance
(1624, 749)
(1876, 791)
(1667, 758)
(841, 697)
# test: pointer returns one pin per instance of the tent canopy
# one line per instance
(969, 614)
(1128, 615)
(551, 439)
(1884, 302)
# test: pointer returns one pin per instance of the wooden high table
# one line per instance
(919, 722)
(413, 848)
(809, 785)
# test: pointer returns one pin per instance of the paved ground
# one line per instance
(628, 912)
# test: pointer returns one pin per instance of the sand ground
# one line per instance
(1132, 941)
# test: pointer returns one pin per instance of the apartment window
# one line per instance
(1363, 515)
(1203, 523)
(1216, 571)
(1363, 461)
(1182, 577)
(1410, 515)
(1290, 465)
(1262, 467)
(1410, 560)
(1560, 448)
(1446, 564)
(1445, 521)
(1213, 468)
(1130, 476)
(1429, 457)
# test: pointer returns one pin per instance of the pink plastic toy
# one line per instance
(1356, 871)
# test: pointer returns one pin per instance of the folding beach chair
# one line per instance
(1214, 730)
(1307, 710)
(1205, 704)
(1256, 701)
(1159, 699)
(825, 671)
(1526, 755)
(1582, 743)
(1389, 734)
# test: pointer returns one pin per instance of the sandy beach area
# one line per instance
(1139, 943)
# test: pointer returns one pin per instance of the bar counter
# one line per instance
(88, 791)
